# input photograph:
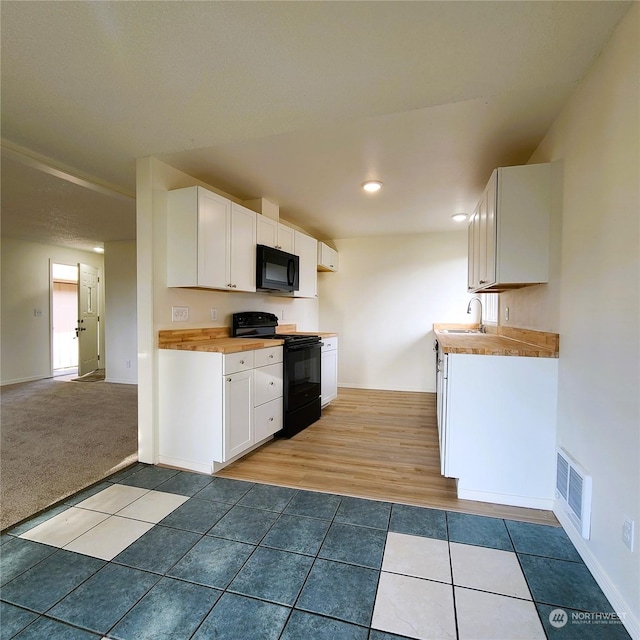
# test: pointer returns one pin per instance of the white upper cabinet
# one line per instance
(509, 230)
(306, 248)
(274, 234)
(210, 241)
(327, 258)
(242, 249)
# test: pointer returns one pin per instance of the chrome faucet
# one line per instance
(481, 326)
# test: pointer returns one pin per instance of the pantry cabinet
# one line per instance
(214, 407)
(306, 248)
(210, 241)
(508, 236)
(274, 234)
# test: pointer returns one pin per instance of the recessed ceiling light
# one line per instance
(372, 185)
(98, 249)
(459, 217)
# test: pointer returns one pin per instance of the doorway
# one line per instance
(64, 314)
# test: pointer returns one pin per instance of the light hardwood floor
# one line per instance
(371, 444)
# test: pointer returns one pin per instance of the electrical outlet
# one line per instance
(627, 532)
(214, 315)
(127, 364)
(506, 313)
(179, 314)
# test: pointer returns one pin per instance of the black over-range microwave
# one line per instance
(276, 270)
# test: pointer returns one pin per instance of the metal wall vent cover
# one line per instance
(574, 490)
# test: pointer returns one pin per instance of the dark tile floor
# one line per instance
(154, 553)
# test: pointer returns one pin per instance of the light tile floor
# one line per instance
(157, 554)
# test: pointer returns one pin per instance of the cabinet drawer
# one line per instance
(268, 356)
(329, 344)
(267, 419)
(267, 383)
(234, 362)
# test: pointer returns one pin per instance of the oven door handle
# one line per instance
(300, 347)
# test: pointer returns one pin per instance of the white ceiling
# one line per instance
(298, 102)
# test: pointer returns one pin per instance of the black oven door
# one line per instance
(301, 387)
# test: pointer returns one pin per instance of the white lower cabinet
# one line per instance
(497, 427)
(214, 407)
(329, 370)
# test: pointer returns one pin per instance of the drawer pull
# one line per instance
(271, 357)
(270, 419)
(272, 383)
(228, 379)
(241, 361)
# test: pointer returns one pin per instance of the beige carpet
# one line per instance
(58, 437)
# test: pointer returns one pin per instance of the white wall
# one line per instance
(383, 302)
(597, 140)
(25, 339)
(155, 300)
(121, 352)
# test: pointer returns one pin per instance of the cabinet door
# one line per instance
(329, 376)
(474, 251)
(327, 258)
(242, 249)
(491, 194)
(238, 413)
(266, 231)
(285, 238)
(306, 249)
(441, 408)
(213, 231)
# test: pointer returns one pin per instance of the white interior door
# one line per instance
(87, 329)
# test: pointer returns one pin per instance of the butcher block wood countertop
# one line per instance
(498, 341)
(218, 339)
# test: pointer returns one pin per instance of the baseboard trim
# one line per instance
(346, 385)
(5, 383)
(188, 465)
(630, 621)
(117, 381)
(506, 499)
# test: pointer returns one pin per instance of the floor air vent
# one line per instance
(574, 490)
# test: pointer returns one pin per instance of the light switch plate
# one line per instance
(179, 314)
